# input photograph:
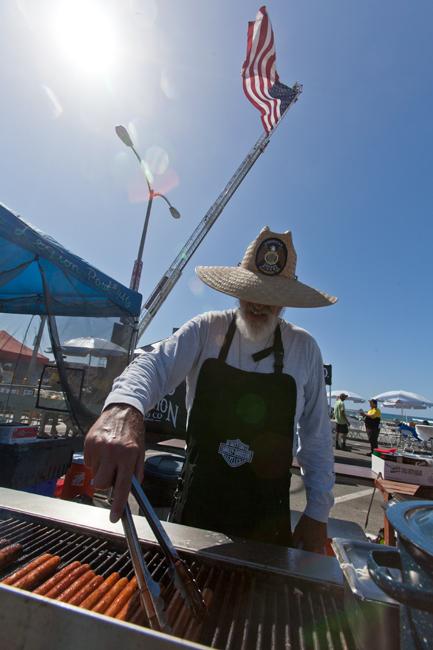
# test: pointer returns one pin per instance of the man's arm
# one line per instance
(114, 450)
(316, 458)
(156, 373)
(114, 446)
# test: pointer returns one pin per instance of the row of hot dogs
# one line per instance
(77, 584)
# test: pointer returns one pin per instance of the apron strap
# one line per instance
(277, 349)
(228, 340)
(278, 352)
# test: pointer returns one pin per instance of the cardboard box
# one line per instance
(402, 472)
(17, 433)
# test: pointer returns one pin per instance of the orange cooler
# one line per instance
(78, 479)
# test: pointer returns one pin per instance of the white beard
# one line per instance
(256, 331)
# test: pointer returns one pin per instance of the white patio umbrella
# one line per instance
(403, 400)
(408, 399)
(351, 396)
(401, 404)
(93, 346)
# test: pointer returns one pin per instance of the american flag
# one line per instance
(259, 76)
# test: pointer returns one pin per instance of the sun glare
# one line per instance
(85, 33)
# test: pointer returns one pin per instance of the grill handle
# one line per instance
(403, 593)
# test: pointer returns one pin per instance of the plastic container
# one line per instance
(15, 432)
(59, 487)
(46, 488)
(161, 473)
(26, 465)
(78, 480)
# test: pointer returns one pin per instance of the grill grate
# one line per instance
(249, 609)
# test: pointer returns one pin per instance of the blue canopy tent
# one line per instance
(30, 259)
(40, 277)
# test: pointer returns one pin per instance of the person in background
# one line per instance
(342, 422)
(255, 384)
(372, 424)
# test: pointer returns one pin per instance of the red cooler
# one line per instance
(78, 479)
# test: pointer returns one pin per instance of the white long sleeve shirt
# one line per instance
(158, 372)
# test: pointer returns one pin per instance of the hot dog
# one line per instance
(103, 589)
(34, 577)
(86, 590)
(122, 598)
(4, 542)
(52, 582)
(66, 581)
(106, 600)
(9, 554)
(129, 607)
(16, 575)
(75, 587)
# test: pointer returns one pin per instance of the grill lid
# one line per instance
(413, 521)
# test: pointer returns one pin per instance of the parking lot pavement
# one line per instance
(352, 496)
(351, 504)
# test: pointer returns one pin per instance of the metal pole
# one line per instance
(138, 264)
(36, 346)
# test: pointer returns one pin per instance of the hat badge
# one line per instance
(271, 256)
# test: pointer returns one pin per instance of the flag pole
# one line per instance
(173, 273)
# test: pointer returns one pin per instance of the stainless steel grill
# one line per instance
(251, 607)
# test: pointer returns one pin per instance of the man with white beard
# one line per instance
(253, 381)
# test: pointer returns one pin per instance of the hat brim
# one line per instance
(266, 290)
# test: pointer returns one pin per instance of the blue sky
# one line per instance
(349, 170)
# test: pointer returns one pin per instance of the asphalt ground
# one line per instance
(352, 497)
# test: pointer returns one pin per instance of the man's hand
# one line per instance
(114, 450)
(310, 535)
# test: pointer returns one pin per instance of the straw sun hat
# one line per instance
(266, 275)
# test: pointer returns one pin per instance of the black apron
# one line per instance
(236, 477)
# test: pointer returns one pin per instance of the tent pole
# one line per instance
(36, 346)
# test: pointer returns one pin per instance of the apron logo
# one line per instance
(235, 452)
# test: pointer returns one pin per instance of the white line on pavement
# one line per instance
(353, 495)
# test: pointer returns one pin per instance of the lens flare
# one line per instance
(55, 105)
(157, 160)
(196, 286)
(167, 85)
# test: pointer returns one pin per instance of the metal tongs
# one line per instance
(149, 589)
